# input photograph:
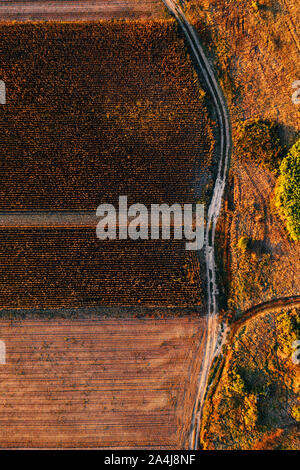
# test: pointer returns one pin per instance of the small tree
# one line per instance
(250, 411)
(243, 244)
(296, 412)
(258, 141)
(255, 5)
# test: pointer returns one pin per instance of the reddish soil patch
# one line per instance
(90, 383)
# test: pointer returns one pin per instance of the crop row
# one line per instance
(66, 268)
(96, 110)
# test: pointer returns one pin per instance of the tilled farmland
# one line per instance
(98, 110)
(94, 111)
(63, 268)
(91, 383)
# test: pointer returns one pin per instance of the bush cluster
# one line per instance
(287, 194)
(258, 141)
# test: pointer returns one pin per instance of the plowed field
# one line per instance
(90, 383)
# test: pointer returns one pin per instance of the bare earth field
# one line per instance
(274, 270)
(79, 10)
(90, 383)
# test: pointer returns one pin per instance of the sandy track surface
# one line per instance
(213, 329)
(74, 219)
(265, 307)
(91, 383)
(53, 219)
(78, 10)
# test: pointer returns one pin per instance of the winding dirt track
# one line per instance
(261, 309)
(265, 307)
(213, 331)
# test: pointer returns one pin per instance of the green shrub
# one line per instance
(288, 330)
(287, 194)
(250, 412)
(243, 243)
(255, 6)
(258, 141)
(236, 383)
(296, 413)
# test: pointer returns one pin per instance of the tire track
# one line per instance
(213, 329)
(264, 307)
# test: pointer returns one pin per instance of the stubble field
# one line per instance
(100, 384)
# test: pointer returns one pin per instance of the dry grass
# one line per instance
(255, 48)
(252, 406)
(271, 268)
(257, 55)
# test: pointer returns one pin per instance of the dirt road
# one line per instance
(70, 10)
(213, 210)
(47, 219)
(266, 307)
